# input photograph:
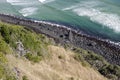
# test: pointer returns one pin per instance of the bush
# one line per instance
(31, 41)
(24, 78)
(2, 58)
(4, 46)
(80, 58)
(110, 71)
(33, 58)
(5, 32)
(97, 62)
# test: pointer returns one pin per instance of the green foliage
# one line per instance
(4, 46)
(97, 62)
(5, 74)
(5, 32)
(33, 58)
(24, 78)
(31, 40)
(93, 56)
(35, 43)
(10, 78)
(2, 58)
(80, 58)
(111, 71)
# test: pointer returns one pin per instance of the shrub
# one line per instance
(33, 58)
(4, 46)
(110, 71)
(2, 58)
(24, 78)
(5, 32)
(98, 62)
(80, 58)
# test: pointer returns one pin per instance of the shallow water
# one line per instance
(100, 18)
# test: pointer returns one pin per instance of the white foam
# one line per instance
(69, 8)
(19, 2)
(46, 1)
(28, 11)
(110, 20)
(13, 2)
(82, 3)
(42, 1)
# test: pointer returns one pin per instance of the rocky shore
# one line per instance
(64, 35)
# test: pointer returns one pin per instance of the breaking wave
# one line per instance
(91, 10)
(28, 11)
(20, 2)
(46, 1)
(13, 2)
(110, 20)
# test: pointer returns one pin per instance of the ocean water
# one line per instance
(100, 18)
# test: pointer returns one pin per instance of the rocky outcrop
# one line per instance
(65, 35)
(20, 49)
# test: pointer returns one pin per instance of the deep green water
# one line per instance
(96, 17)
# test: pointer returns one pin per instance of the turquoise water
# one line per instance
(100, 18)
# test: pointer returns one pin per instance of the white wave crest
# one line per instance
(19, 2)
(69, 8)
(45, 1)
(13, 2)
(110, 20)
(28, 11)
(42, 1)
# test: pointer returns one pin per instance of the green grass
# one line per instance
(24, 78)
(36, 44)
(4, 47)
(2, 58)
(33, 58)
(5, 74)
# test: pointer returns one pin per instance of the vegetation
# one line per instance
(24, 78)
(5, 74)
(4, 47)
(33, 58)
(37, 44)
(34, 43)
(80, 58)
(97, 62)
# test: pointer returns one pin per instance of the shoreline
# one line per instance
(80, 32)
(69, 27)
(66, 35)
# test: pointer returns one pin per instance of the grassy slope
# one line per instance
(53, 62)
(55, 68)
